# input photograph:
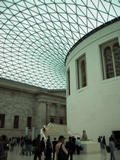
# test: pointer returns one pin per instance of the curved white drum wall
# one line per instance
(95, 108)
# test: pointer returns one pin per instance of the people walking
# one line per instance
(112, 148)
(61, 151)
(54, 144)
(42, 145)
(11, 144)
(28, 146)
(3, 147)
(37, 148)
(48, 150)
(103, 142)
(78, 145)
(22, 146)
(100, 141)
(70, 146)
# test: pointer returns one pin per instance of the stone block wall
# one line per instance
(28, 101)
(14, 103)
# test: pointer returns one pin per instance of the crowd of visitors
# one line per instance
(110, 148)
(52, 150)
(39, 147)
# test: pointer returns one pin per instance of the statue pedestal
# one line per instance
(90, 147)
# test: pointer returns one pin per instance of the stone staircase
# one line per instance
(58, 130)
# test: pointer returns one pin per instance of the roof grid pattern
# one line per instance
(36, 35)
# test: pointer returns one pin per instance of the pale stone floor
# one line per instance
(97, 156)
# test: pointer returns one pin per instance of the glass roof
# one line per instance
(36, 35)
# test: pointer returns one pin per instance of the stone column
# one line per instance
(40, 118)
(119, 39)
(26, 131)
(33, 133)
(58, 114)
(47, 112)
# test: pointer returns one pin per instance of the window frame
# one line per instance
(29, 122)
(78, 62)
(2, 125)
(110, 43)
(16, 126)
(68, 82)
(52, 119)
(61, 121)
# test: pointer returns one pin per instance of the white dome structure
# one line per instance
(93, 82)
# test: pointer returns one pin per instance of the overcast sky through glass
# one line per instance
(36, 35)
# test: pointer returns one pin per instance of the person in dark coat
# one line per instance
(48, 150)
(103, 142)
(100, 141)
(70, 145)
(74, 140)
(3, 147)
(37, 148)
(42, 145)
(54, 144)
(29, 146)
(112, 148)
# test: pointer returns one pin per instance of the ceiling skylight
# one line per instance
(36, 35)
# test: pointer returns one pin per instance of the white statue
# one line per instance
(44, 130)
(84, 136)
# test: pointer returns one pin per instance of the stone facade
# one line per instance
(27, 101)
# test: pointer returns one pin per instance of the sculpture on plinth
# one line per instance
(44, 130)
(84, 136)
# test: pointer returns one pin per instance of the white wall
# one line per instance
(95, 108)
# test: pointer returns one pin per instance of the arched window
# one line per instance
(68, 81)
(116, 53)
(83, 73)
(108, 62)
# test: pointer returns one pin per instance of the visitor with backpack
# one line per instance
(61, 151)
(112, 148)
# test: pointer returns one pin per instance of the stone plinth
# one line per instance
(90, 147)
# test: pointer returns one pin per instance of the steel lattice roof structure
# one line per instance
(36, 35)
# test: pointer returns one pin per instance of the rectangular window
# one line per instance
(29, 122)
(2, 120)
(52, 120)
(61, 121)
(16, 121)
(68, 81)
(110, 52)
(81, 72)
